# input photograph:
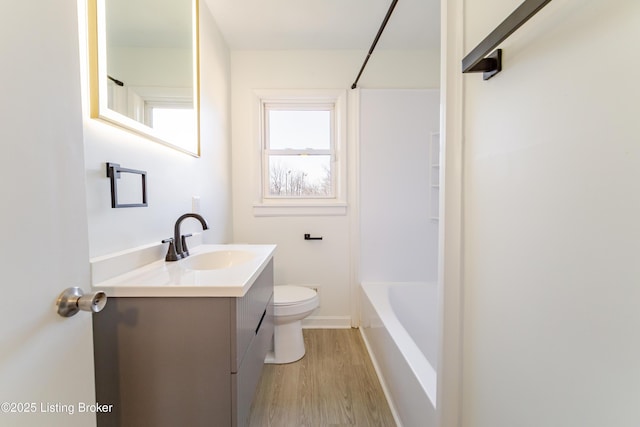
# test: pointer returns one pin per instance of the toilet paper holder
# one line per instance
(72, 300)
(308, 237)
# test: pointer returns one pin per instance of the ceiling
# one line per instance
(326, 24)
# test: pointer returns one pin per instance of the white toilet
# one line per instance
(291, 304)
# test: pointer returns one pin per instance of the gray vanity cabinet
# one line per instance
(182, 361)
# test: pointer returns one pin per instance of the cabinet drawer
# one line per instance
(249, 311)
(244, 383)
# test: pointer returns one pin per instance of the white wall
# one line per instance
(398, 236)
(144, 66)
(326, 263)
(551, 206)
(172, 177)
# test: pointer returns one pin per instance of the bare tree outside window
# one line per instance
(299, 149)
(295, 182)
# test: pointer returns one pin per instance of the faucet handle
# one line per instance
(183, 240)
(172, 255)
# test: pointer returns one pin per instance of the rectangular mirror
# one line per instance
(144, 68)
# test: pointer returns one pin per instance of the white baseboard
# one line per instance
(327, 322)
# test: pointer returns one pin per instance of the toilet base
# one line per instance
(288, 343)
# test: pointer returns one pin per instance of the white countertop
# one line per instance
(174, 279)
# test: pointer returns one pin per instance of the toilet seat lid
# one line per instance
(288, 294)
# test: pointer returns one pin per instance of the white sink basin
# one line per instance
(217, 260)
(224, 270)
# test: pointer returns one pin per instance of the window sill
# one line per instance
(305, 208)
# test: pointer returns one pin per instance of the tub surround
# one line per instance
(177, 279)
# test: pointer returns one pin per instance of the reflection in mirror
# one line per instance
(144, 62)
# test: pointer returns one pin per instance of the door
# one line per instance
(46, 361)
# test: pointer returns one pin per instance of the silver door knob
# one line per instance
(72, 300)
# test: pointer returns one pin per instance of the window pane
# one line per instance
(299, 129)
(301, 176)
(176, 124)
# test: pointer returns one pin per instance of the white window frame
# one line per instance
(270, 205)
(268, 151)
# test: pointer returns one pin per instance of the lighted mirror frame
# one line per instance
(98, 89)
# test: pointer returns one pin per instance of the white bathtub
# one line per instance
(399, 326)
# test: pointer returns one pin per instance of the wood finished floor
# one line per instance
(333, 385)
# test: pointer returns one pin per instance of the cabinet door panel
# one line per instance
(163, 362)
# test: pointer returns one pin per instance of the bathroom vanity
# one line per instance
(183, 343)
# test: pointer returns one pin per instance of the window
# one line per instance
(175, 120)
(302, 147)
(298, 151)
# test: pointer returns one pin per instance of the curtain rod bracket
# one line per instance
(479, 59)
(488, 66)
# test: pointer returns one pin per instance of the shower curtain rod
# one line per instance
(375, 41)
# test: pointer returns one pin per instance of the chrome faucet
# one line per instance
(178, 243)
